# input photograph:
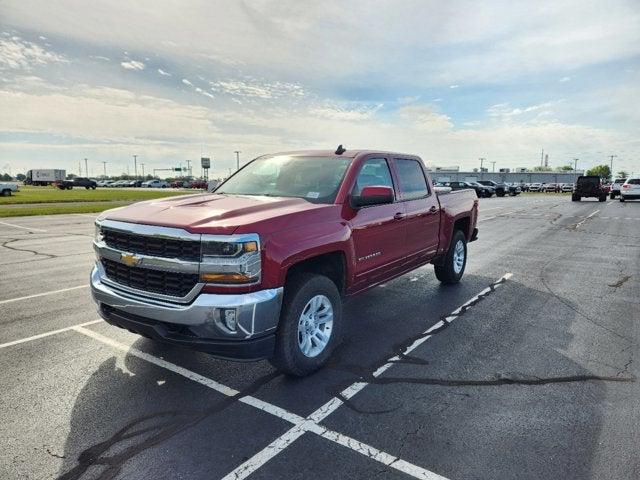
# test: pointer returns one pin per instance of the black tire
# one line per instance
(5, 193)
(575, 198)
(87, 188)
(500, 194)
(288, 356)
(621, 198)
(446, 272)
(93, 187)
(612, 196)
(602, 199)
(69, 188)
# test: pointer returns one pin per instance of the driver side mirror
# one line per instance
(372, 195)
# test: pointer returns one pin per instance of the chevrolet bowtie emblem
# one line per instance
(129, 259)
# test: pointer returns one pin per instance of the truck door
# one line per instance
(422, 208)
(379, 230)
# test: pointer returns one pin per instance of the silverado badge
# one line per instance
(129, 259)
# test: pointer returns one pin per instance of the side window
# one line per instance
(412, 181)
(374, 172)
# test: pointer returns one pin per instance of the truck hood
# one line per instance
(210, 213)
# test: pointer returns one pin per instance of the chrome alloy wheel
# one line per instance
(315, 325)
(458, 257)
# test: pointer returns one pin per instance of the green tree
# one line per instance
(5, 177)
(21, 177)
(540, 168)
(622, 174)
(602, 171)
(564, 168)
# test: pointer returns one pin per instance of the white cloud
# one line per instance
(187, 82)
(258, 89)
(565, 79)
(133, 65)
(454, 86)
(19, 54)
(163, 73)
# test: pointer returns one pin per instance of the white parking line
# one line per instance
(25, 228)
(35, 295)
(587, 218)
(301, 424)
(47, 334)
(286, 439)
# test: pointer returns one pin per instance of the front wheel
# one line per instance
(603, 198)
(612, 196)
(310, 325)
(5, 193)
(621, 198)
(575, 198)
(455, 260)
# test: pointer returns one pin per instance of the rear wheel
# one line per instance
(455, 260)
(602, 198)
(310, 325)
(575, 198)
(612, 196)
(621, 198)
(5, 193)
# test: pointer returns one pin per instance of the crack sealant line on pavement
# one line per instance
(301, 424)
(36, 295)
(286, 439)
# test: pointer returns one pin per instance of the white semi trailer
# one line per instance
(44, 176)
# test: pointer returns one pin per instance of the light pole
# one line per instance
(493, 167)
(612, 157)
(86, 169)
(104, 167)
(188, 167)
(135, 166)
(482, 159)
(237, 152)
(142, 165)
(575, 167)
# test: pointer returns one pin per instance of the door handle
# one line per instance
(399, 216)
(433, 209)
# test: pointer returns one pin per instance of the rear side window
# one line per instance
(634, 181)
(411, 177)
(374, 172)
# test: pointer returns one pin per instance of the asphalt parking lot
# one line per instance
(524, 370)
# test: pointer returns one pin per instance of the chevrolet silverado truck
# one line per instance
(7, 188)
(259, 268)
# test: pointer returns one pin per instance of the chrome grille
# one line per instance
(188, 250)
(156, 281)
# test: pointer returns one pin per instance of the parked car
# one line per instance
(615, 187)
(514, 189)
(485, 191)
(589, 186)
(551, 188)
(201, 184)
(120, 183)
(630, 189)
(463, 186)
(524, 186)
(535, 187)
(259, 268)
(500, 189)
(87, 183)
(156, 184)
(566, 188)
(7, 189)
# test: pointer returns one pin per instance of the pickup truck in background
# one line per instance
(6, 189)
(259, 268)
(76, 182)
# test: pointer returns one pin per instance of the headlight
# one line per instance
(231, 262)
(99, 238)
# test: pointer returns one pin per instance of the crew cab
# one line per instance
(6, 189)
(76, 182)
(589, 186)
(259, 268)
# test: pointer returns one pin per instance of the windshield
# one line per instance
(315, 179)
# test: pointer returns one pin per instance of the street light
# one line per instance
(135, 165)
(482, 159)
(237, 152)
(575, 167)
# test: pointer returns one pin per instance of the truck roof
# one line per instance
(332, 153)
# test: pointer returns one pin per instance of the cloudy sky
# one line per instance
(451, 81)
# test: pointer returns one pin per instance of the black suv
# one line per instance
(481, 190)
(589, 186)
(501, 188)
(76, 182)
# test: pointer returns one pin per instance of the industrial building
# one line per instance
(520, 175)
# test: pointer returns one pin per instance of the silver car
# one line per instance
(615, 187)
(630, 189)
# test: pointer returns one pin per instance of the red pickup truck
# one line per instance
(258, 268)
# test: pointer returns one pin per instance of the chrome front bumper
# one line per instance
(257, 313)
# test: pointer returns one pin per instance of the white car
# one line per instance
(535, 187)
(630, 189)
(566, 188)
(6, 189)
(615, 187)
(155, 184)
